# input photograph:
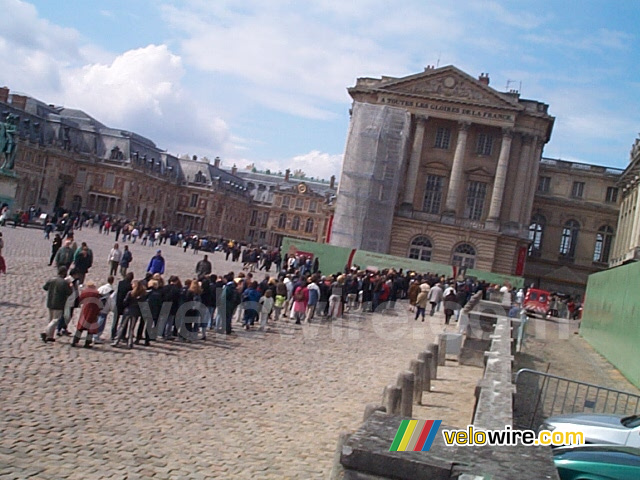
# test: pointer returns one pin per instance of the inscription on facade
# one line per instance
(398, 102)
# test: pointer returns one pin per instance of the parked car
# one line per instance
(598, 428)
(597, 462)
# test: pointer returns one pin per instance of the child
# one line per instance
(278, 306)
(267, 305)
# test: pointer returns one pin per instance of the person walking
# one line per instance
(203, 268)
(90, 307)
(156, 264)
(55, 246)
(300, 301)
(115, 255)
(58, 291)
(421, 300)
(64, 256)
(125, 261)
(267, 302)
(314, 297)
(435, 297)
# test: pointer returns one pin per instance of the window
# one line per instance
(299, 203)
(543, 184)
(536, 229)
(433, 194)
(464, 255)
(282, 221)
(308, 228)
(285, 202)
(265, 218)
(612, 195)
(604, 241)
(420, 248)
(443, 138)
(476, 192)
(569, 239)
(254, 218)
(485, 144)
(109, 181)
(577, 190)
(194, 200)
(295, 224)
(313, 205)
(81, 176)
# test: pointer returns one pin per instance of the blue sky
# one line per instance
(264, 82)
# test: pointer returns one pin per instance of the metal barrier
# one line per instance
(540, 395)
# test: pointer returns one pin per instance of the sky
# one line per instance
(265, 83)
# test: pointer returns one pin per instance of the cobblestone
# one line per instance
(250, 405)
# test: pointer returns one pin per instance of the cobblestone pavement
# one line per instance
(251, 405)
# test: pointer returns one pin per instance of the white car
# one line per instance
(598, 427)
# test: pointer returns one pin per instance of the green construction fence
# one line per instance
(611, 317)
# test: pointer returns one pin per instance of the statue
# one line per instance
(8, 143)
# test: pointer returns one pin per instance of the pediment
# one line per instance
(450, 84)
(479, 171)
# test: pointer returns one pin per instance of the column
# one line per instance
(501, 176)
(532, 184)
(414, 162)
(455, 182)
(521, 178)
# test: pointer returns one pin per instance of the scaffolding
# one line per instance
(371, 174)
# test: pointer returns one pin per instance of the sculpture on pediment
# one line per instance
(447, 87)
(116, 154)
(8, 144)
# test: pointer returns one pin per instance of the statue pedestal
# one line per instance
(8, 187)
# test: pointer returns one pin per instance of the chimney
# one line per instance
(484, 79)
(194, 158)
(216, 162)
(4, 94)
(19, 101)
(287, 172)
(234, 169)
(332, 183)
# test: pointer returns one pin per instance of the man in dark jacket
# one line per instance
(230, 301)
(58, 290)
(156, 264)
(124, 287)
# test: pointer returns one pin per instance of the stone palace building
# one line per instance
(440, 166)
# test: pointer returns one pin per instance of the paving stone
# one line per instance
(249, 405)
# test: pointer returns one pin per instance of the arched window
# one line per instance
(569, 239)
(464, 255)
(420, 248)
(282, 221)
(604, 242)
(308, 228)
(536, 230)
(295, 223)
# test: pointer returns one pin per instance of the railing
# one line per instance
(540, 395)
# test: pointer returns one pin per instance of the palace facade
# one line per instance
(67, 159)
(627, 243)
(574, 221)
(441, 167)
(441, 163)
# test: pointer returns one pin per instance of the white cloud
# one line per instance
(314, 164)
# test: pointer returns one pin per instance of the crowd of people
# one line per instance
(156, 306)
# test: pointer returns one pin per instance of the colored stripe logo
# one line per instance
(415, 435)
